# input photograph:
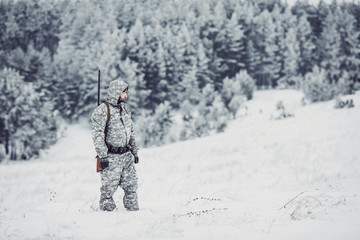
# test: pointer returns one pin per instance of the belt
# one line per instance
(118, 150)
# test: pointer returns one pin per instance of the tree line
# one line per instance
(190, 64)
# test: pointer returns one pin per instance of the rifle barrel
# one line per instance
(99, 88)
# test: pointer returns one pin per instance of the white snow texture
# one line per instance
(293, 178)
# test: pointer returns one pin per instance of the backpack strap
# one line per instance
(107, 120)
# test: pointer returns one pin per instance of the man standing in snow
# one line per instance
(118, 152)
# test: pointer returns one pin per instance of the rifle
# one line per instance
(99, 88)
(98, 165)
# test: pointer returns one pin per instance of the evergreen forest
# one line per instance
(189, 63)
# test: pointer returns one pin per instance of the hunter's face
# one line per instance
(123, 96)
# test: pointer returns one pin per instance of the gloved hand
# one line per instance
(104, 162)
(136, 159)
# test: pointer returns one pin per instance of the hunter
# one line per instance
(115, 145)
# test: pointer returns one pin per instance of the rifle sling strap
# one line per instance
(107, 120)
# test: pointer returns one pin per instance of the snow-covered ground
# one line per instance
(294, 178)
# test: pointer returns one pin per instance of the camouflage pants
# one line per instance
(120, 172)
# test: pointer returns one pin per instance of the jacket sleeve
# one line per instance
(98, 119)
(132, 141)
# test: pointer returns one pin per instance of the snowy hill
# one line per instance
(293, 178)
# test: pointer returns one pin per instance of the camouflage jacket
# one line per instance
(119, 133)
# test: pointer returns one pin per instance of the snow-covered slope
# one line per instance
(294, 178)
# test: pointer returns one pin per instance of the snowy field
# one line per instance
(294, 178)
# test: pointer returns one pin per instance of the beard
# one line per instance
(120, 100)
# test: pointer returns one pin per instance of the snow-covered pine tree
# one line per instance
(236, 90)
(329, 46)
(213, 41)
(190, 86)
(212, 110)
(317, 87)
(168, 52)
(203, 74)
(247, 83)
(266, 37)
(216, 115)
(246, 11)
(231, 46)
(317, 18)
(284, 21)
(231, 95)
(349, 50)
(161, 87)
(36, 67)
(185, 59)
(193, 125)
(306, 45)
(29, 124)
(138, 92)
(210, 115)
(154, 128)
(291, 57)
(161, 124)
(254, 61)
